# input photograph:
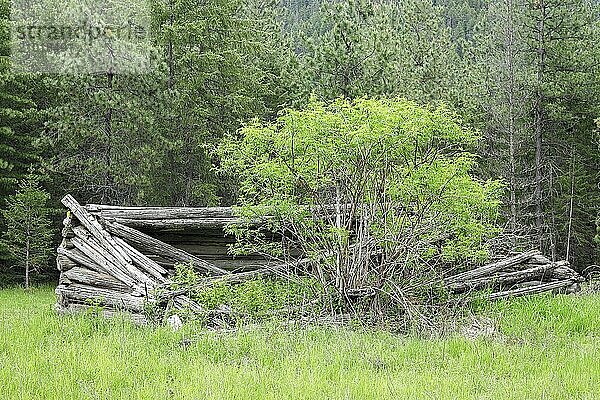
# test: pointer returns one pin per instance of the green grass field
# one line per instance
(545, 348)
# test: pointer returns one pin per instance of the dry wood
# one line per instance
(97, 255)
(95, 229)
(538, 259)
(152, 213)
(127, 269)
(64, 263)
(80, 258)
(95, 279)
(563, 272)
(540, 273)
(101, 296)
(176, 224)
(544, 287)
(492, 268)
(155, 246)
(66, 243)
(143, 262)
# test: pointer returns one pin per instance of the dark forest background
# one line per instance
(524, 73)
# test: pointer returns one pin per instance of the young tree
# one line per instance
(376, 193)
(28, 236)
(501, 76)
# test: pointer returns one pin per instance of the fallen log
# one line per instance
(78, 257)
(95, 229)
(155, 246)
(145, 263)
(176, 224)
(540, 273)
(534, 289)
(99, 257)
(96, 279)
(159, 213)
(492, 268)
(101, 296)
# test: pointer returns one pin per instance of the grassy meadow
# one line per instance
(544, 348)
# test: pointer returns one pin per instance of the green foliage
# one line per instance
(351, 182)
(361, 48)
(28, 236)
(254, 299)
(250, 301)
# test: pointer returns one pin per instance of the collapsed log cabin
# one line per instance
(116, 258)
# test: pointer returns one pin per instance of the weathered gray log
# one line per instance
(155, 246)
(534, 289)
(95, 230)
(176, 224)
(145, 263)
(77, 308)
(538, 259)
(78, 257)
(96, 279)
(101, 296)
(159, 212)
(563, 271)
(98, 256)
(541, 273)
(128, 268)
(492, 268)
(64, 263)
(66, 243)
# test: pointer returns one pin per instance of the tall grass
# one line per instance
(546, 348)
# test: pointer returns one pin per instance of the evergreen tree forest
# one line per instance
(523, 73)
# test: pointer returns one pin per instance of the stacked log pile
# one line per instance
(114, 257)
(522, 274)
(122, 259)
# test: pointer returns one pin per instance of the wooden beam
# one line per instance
(155, 246)
(159, 212)
(112, 298)
(492, 268)
(544, 287)
(96, 279)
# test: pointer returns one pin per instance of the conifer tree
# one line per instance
(29, 234)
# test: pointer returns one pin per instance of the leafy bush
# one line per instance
(249, 301)
(377, 194)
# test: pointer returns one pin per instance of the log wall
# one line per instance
(115, 257)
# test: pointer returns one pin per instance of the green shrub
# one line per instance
(375, 193)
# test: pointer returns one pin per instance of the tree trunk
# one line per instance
(27, 266)
(541, 61)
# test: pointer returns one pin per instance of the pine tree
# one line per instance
(18, 116)
(225, 62)
(348, 51)
(29, 235)
(501, 75)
